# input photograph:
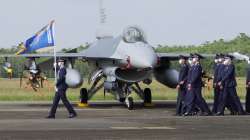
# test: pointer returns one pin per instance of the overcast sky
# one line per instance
(164, 21)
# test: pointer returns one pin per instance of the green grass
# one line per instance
(11, 91)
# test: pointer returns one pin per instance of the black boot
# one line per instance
(72, 115)
(50, 117)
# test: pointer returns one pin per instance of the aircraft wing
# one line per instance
(80, 55)
(45, 55)
(47, 64)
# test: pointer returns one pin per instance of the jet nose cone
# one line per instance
(145, 58)
(147, 62)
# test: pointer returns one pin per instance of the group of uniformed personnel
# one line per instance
(225, 94)
(190, 100)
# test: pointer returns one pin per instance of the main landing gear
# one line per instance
(145, 95)
(129, 103)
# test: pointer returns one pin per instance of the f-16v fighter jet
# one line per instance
(119, 64)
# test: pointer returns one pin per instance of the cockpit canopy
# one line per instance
(133, 34)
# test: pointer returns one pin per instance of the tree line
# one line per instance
(240, 43)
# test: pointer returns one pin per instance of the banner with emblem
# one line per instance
(42, 41)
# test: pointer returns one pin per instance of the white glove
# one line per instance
(55, 64)
(56, 89)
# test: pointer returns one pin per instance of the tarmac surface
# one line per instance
(111, 120)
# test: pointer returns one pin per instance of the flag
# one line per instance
(41, 41)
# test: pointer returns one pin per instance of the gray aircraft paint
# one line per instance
(141, 54)
(103, 48)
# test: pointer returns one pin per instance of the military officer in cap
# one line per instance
(248, 90)
(60, 89)
(228, 85)
(194, 109)
(194, 86)
(220, 68)
(216, 88)
(181, 85)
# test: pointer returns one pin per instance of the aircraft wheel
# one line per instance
(83, 96)
(147, 96)
(122, 100)
(130, 103)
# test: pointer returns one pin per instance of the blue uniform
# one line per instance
(229, 104)
(216, 88)
(61, 93)
(193, 96)
(248, 91)
(229, 94)
(182, 90)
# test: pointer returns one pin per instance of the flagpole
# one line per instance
(55, 65)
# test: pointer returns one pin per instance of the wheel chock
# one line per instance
(83, 105)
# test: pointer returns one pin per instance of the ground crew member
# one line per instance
(8, 68)
(61, 88)
(181, 85)
(228, 84)
(194, 87)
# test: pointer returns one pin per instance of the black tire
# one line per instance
(130, 103)
(122, 100)
(147, 96)
(84, 95)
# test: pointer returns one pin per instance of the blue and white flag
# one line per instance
(42, 40)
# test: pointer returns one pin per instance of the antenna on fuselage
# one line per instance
(102, 31)
(103, 16)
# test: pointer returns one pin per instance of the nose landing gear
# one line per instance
(129, 103)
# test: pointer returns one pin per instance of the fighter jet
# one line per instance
(118, 64)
